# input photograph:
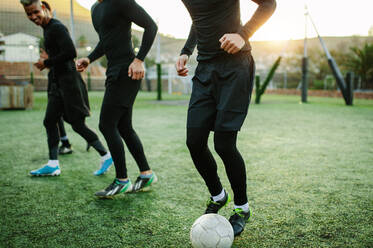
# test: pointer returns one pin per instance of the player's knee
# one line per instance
(127, 132)
(222, 148)
(103, 128)
(77, 127)
(48, 123)
(195, 145)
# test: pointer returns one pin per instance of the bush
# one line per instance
(328, 84)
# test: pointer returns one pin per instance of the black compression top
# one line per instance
(112, 21)
(59, 46)
(214, 18)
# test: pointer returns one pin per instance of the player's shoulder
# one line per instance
(56, 24)
(57, 27)
(126, 3)
(94, 6)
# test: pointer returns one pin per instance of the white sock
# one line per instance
(244, 207)
(219, 196)
(64, 138)
(106, 156)
(53, 163)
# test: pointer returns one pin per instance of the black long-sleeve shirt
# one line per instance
(59, 46)
(112, 20)
(214, 18)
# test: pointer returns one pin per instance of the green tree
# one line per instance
(135, 41)
(103, 61)
(361, 63)
(370, 32)
(41, 42)
(82, 41)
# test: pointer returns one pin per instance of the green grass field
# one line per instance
(309, 167)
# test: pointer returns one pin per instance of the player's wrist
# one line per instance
(137, 60)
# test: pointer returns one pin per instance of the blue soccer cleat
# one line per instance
(104, 166)
(46, 171)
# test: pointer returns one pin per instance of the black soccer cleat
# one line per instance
(142, 184)
(238, 220)
(214, 206)
(63, 150)
(114, 188)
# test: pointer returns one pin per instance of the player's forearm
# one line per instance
(150, 32)
(190, 43)
(97, 53)
(67, 54)
(261, 15)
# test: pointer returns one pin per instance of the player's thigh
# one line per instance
(53, 111)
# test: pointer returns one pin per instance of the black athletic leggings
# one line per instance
(61, 128)
(225, 146)
(53, 115)
(115, 124)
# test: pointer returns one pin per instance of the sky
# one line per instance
(331, 17)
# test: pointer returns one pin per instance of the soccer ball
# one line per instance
(211, 230)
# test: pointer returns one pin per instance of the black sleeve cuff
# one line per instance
(48, 63)
(186, 51)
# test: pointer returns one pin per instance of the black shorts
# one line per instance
(221, 93)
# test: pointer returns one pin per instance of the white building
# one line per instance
(20, 47)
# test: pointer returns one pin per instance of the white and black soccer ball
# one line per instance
(211, 230)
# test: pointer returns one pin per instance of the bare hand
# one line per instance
(136, 70)
(82, 64)
(181, 65)
(43, 54)
(232, 43)
(40, 64)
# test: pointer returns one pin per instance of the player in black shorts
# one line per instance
(67, 93)
(221, 94)
(112, 19)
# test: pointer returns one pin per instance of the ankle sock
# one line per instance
(65, 141)
(53, 163)
(106, 156)
(244, 207)
(122, 181)
(146, 175)
(219, 197)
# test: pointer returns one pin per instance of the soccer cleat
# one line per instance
(46, 171)
(238, 220)
(115, 188)
(142, 184)
(63, 150)
(214, 206)
(104, 166)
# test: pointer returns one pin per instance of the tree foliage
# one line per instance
(361, 63)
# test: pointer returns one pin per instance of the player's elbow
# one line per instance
(72, 54)
(153, 27)
(270, 4)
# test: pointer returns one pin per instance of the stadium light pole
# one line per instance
(159, 69)
(305, 60)
(72, 21)
(89, 80)
(31, 49)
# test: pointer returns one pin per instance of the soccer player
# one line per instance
(221, 94)
(112, 19)
(67, 93)
(65, 147)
